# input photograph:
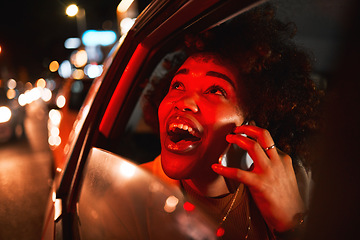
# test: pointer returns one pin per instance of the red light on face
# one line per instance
(189, 206)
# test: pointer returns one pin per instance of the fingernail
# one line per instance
(216, 166)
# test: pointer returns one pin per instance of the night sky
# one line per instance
(32, 33)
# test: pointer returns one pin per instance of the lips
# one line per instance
(183, 134)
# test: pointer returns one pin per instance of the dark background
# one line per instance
(32, 33)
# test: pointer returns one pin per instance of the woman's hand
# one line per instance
(272, 180)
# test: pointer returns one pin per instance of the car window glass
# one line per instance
(122, 201)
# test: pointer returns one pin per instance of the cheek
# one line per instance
(163, 111)
(226, 116)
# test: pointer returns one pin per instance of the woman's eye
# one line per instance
(177, 86)
(217, 91)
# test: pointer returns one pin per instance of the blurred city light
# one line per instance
(50, 84)
(5, 114)
(72, 10)
(11, 93)
(78, 74)
(55, 116)
(22, 100)
(46, 95)
(93, 71)
(124, 5)
(72, 43)
(94, 38)
(28, 85)
(95, 53)
(79, 58)
(60, 101)
(126, 24)
(65, 69)
(34, 94)
(54, 139)
(54, 66)
(11, 84)
(41, 83)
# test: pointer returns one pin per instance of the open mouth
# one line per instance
(182, 132)
(183, 135)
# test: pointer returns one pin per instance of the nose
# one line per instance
(187, 103)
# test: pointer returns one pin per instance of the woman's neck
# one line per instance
(213, 188)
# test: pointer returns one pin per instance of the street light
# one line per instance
(73, 10)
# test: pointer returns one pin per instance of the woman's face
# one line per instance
(195, 116)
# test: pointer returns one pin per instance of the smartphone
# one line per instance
(236, 157)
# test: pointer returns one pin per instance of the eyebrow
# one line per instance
(222, 76)
(209, 73)
(182, 71)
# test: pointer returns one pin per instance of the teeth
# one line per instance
(183, 127)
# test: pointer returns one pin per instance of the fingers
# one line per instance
(262, 136)
(248, 178)
(253, 148)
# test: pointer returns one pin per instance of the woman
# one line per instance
(244, 83)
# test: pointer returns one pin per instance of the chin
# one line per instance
(176, 167)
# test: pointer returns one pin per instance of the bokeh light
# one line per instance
(78, 74)
(79, 59)
(11, 84)
(41, 83)
(10, 93)
(170, 204)
(54, 66)
(5, 114)
(60, 101)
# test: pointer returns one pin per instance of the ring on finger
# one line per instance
(268, 148)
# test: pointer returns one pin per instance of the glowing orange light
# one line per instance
(189, 206)
(11, 94)
(54, 66)
(78, 74)
(41, 83)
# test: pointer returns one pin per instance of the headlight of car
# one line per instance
(5, 114)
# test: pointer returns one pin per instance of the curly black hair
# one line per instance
(277, 91)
